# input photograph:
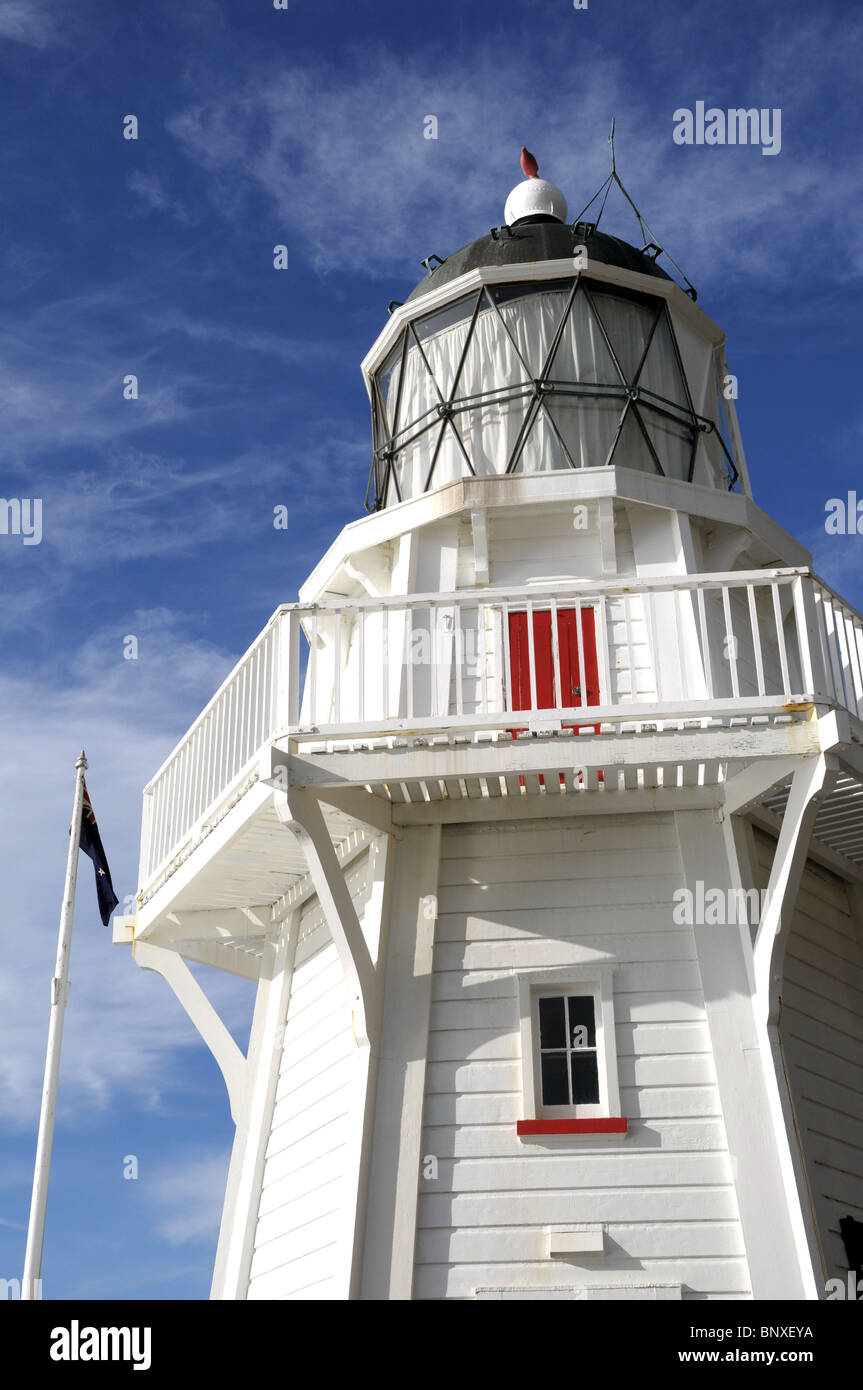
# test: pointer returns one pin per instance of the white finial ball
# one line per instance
(532, 197)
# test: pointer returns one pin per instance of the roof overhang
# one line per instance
(565, 487)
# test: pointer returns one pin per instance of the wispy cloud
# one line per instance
(186, 1197)
(277, 347)
(359, 192)
(154, 196)
(28, 22)
(63, 365)
(122, 1023)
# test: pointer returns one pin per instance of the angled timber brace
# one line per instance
(230, 1060)
(299, 810)
(811, 784)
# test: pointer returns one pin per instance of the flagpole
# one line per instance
(59, 995)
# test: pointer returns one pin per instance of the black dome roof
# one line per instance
(538, 240)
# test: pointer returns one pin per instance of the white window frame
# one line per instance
(596, 980)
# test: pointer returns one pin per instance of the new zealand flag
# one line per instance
(91, 843)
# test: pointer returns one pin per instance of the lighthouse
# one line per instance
(537, 823)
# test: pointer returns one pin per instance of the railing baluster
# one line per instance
(531, 654)
(313, 668)
(361, 642)
(844, 655)
(854, 643)
(507, 662)
(337, 668)
(705, 643)
(267, 707)
(780, 639)
(603, 654)
(649, 605)
(242, 715)
(457, 664)
(287, 712)
(252, 715)
(807, 630)
(677, 599)
(481, 617)
(582, 669)
(827, 620)
(408, 654)
(630, 649)
(756, 638)
(730, 642)
(385, 631)
(555, 658)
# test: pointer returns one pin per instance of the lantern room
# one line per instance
(547, 346)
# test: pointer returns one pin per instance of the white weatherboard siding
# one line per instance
(529, 895)
(542, 543)
(822, 1042)
(299, 1251)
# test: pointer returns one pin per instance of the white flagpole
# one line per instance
(30, 1284)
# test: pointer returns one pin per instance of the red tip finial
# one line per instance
(528, 163)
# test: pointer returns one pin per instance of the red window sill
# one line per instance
(527, 1127)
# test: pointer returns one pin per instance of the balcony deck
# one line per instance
(409, 711)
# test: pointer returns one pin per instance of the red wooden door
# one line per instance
(576, 692)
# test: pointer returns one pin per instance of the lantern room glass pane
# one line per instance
(661, 372)
(628, 324)
(582, 354)
(412, 463)
(420, 391)
(532, 321)
(442, 346)
(711, 465)
(543, 451)
(672, 442)
(491, 363)
(489, 433)
(587, 425)
(450, 463)
(631, 450)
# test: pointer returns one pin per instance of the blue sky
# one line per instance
(155, 257)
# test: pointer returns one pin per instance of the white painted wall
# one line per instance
(299, 1248)
(822, 1041)
(528, 895)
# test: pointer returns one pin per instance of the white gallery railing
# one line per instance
(579, 653)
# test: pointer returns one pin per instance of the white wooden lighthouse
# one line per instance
(538, 823)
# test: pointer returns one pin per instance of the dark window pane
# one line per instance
(581, 1015)
(504, 294)
(388, 383)
(552, 1024)
(554, 1088)
(585, 1078)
